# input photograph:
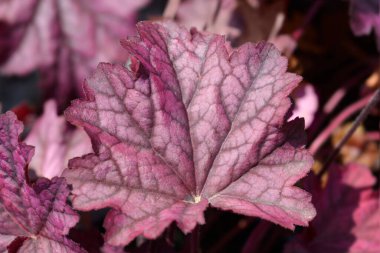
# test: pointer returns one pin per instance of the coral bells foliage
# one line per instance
(64, 39)
(33, 217)
(348, 217)
(198, 124)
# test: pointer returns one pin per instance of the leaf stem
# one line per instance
(325, 134)
(195, 240)
(171, 9)
(278, 23)
(256, 237)
(334, 101)
(375, 98)
(230, 235)
(297, 34)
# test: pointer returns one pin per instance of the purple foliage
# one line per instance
(35, 217)
(201, 124)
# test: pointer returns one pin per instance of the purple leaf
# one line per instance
(65, 39)
(55, 143)
(37, 213)
(348, 217)
(365, 17)
(202, 124)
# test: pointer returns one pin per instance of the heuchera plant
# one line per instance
(183, 122)
(198, 124)
(34, 217)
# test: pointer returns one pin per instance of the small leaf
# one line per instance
(37, 214)
(55, 143)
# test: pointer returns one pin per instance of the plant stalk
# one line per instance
(375, 98)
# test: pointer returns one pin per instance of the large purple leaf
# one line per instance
(65, 39)
(348, 217)
(200, 123)
(36, 216)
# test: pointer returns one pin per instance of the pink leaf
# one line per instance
(39, 212)
(55, 143)
(348, 217)
(306, 103)
(66, 39)
(202, 124)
